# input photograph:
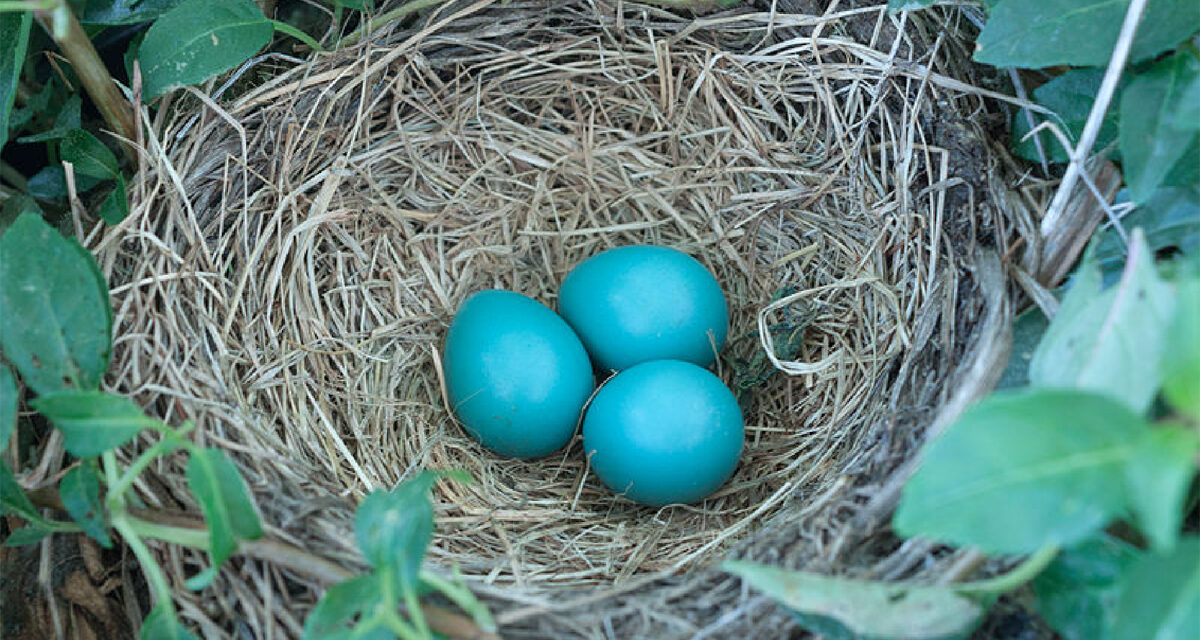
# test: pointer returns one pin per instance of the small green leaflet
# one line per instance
(1077, 593)
(394, 528)
(50, 183)
(1170, 218)
(1031, 34)
(26, 535)
(80, 491)
(338, 607)
(12, 496)
(863, 609)
(1151, 142)
(67, 120)
(228, 510)
(90, 157)
(1181, 362)
(14, 40)
(1021, 471)
(1158, 476)
(8, 405)
(1027, 332)
(116, 205)
(1070, 97)
(62, 337)
(1109, 341)
(92, 422)
(198, 39)
(1160, 596)
(162, 624)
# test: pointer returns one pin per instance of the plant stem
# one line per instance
(288, 29)
(183, 536)
(154, 574)
(1023, 573)
(160, 448)
(368, 24)
(14, 177)
(92, 73)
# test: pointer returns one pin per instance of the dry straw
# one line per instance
(295, 255)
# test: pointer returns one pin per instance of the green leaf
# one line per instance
(1027, 332)
(15, 205)
(1169, 218)
(80, 491)
(1151, 144)
(863, 609)
(50, 183)
(26, 535)
(1181, 360)
(58, 335)
(1160, 596)
(67, 120)
(1158, 476)
(339, 606)
(1070, 97)
(228, 510)
(92, 422)
(117, 12)
(1042, 33)
(8, 405)
(394, 528)
(89, 155)
(12, 496)
(199, 39)
(1021, 471)
(1109, 341)
(1077, 593)
(14, 40)
(162, 624)
(116, 205)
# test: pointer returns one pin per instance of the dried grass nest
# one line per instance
(294, 257)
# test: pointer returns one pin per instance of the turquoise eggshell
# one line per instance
(640, 303)
(516, 375)
(663, 432)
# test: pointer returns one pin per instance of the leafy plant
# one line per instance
(1087, 461)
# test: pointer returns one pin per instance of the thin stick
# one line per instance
(1096, 118)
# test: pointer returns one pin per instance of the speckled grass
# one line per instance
(293, 260)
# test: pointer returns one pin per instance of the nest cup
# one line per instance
(295, 256)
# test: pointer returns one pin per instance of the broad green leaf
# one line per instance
(1181, 360)
(1109, 341)
(15, 205)
(14, 39)
(1150, 142)
(116, 205)
(1159, 475)
(1027, 332)
(50, 183)
(12, 496)
(864, 609)
(161, 624)
(90, 157)
(1077, 593)
(66, 121)
(1042, 33)
(339, 606)
(80, 491)
(1070, 97)
(26, 535)
(198, 39)
(58, 335)
(115, 12)
(228, 510)
(1169, 218)
(1160, 596)
(1021, 471)
(92, 422)
(1187, 118)
(394, 528)
(8, 405)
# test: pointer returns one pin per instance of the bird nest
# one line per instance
(295, 255)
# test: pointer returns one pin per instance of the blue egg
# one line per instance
(663, 432)
(640, 303)
(516, 375)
